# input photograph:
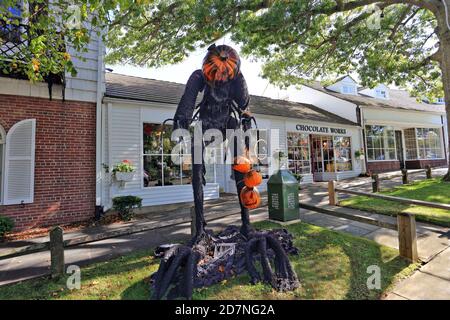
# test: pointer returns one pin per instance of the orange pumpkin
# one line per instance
(242, 164)
(252, 178)
(250, 198)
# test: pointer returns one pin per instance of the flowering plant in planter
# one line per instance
(124, 171)
(359, 154)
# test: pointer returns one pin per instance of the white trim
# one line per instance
(31, 158)
(2, 161)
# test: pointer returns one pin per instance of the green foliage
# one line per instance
(125, 206)
(6, 225)
(297, 40)
(359, 153)
(124, 166)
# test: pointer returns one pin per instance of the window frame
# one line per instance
(165, 154)
(442, 152)
(2, 161)
(384, 139)
(307, 136)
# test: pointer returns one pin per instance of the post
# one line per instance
(57, 252)
(407, 236)
(193, 221)
(332, 194)
(375, 183)
(404, 176)
(428, 171)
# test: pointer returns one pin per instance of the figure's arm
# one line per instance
(242, 98)
(240, 92)
(186, 106)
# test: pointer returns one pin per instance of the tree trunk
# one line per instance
(444, 37)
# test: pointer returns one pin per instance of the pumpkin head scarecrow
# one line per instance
(224, 106)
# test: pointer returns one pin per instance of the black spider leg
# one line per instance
(284, 277)
(198, 182)
(173, 260)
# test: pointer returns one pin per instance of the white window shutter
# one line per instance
(19, 163)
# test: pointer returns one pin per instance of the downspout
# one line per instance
(363, 139)
(98, 131)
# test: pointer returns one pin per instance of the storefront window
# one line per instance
(429, 143)
(160, 169)
(380, 143)
(298, 153)
(343, 153)
(410, 144)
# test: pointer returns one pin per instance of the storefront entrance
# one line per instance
(399, 146)
(330, 155)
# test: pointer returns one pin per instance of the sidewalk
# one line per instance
(433, 241)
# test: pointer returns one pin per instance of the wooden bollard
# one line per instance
(407, 236)
(193, 222)
(375, 183)
(332, 194)
(404, 176)
(57, 252)
(428, 172)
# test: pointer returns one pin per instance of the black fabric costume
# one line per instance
(215, 112)
(184, 267)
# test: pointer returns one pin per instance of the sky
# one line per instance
(180, 73)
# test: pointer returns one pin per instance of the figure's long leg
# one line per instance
(198, 181)
(246, 228)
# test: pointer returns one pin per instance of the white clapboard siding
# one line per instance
(19, 163)
(124, 139)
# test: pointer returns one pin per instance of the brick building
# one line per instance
(48, 164)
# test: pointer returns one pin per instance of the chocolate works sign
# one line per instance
(317, 129)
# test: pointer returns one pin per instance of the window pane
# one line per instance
(152, 171)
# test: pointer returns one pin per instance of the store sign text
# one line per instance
(317, 129)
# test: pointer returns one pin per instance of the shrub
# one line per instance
(125, 206)
(6, 225)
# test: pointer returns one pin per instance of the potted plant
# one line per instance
(124, 171)
(359, 154)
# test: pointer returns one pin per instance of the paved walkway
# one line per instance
(433, 241)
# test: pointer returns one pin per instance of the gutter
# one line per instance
(98, 129)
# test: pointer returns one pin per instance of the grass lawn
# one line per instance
(331, 265)
(433, 190)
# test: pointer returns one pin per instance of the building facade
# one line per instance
(398, 130)
(319, 145)
(48, 166)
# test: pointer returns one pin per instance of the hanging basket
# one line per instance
(124, 176)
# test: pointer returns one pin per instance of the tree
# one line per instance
(40, 34)
(298, 39)
(406, 42)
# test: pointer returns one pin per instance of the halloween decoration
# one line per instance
(250, 197)
(209, 258)
(242, 164)
(252, 179)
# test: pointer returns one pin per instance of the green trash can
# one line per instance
(282, 191)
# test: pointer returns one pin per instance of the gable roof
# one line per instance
(151, 90)
(398, 99)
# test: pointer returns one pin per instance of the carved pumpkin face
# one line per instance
(250, 198)
(221, 64)
(252, 178)
(242, 164)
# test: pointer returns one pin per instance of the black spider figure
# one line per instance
(224, 106)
